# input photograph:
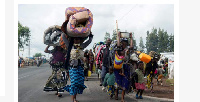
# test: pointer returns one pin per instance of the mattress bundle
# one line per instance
(80, 21)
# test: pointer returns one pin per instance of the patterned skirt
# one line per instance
(140, 86)
(123, 82)
(77, 81)
(111, 89)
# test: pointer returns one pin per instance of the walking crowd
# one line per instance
(116, 63)
(34, 61)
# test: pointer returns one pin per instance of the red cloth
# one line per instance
(140, 86)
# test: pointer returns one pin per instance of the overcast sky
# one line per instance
(133, 18)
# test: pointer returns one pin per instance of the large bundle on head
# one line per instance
(154, 55)
(80, 21)
(52, 35)
(98, 47)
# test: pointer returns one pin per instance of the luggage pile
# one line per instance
(78, 23)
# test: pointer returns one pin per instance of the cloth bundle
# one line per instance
(80, 21)
(98, 47)
(118, 62)
(98, 51)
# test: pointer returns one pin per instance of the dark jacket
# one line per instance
(106, 57)
(151, 67)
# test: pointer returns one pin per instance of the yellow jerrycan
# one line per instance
(89, 73)
(145, 58)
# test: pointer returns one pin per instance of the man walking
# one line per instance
(106, 60)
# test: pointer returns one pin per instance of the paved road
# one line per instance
(31, 81)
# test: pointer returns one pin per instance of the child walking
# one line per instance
(110, 81)
(140, 86)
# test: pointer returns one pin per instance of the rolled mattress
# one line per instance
(80, 21)
(52, 35)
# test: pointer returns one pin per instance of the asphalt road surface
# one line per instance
(32, 79)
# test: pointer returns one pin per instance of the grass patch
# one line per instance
(170, 81)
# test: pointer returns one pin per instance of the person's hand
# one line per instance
(130, 35)
(91, 35)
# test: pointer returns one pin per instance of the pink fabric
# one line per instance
(98, 53)
(140, 86)
(155, 71)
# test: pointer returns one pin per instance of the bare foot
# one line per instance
(122, 101)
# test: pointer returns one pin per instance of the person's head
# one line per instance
(140, 65)
(110, 70)
(124, 43)
(58, 48)
(153, 60)
(77, 40)
(108, 42)
(90, 50)
(85, 54)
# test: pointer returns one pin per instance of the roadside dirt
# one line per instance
(165, 91)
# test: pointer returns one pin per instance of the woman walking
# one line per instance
(76, 62)
(122, 80)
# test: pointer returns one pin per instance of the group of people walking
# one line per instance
(116, 71)
(120, 72)
(112, 75)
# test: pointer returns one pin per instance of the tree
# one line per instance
(152, 41)
(37, 55)
(171, 43)
(159, 41)
(107, 35)
(23, 36)
(163, 41)
(114, 36)
(141, 45)
(134, 41)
